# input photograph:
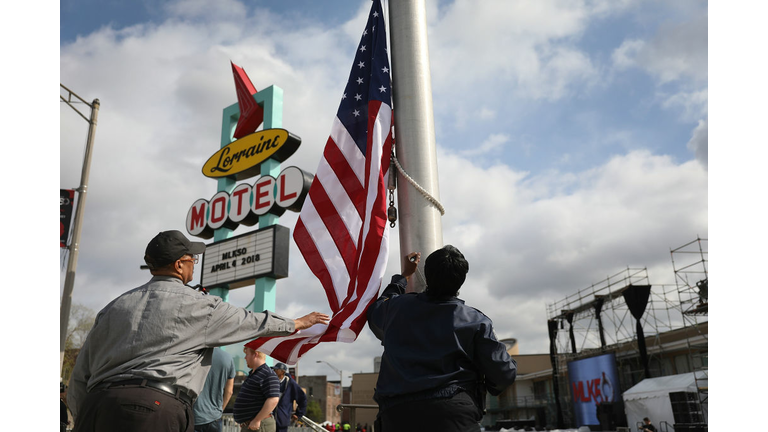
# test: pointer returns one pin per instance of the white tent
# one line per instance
(650, 397)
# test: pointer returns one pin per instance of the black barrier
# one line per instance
(552, 326)
(636, 298)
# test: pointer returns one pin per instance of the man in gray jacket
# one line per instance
(149, 351)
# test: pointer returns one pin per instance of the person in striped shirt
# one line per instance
(258, 395)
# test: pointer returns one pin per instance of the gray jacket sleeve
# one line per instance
(230, 324)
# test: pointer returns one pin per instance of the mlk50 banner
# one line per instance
(593, 381)
(66, 201)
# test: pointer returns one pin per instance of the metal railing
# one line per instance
(313, 426)
(353, 407)
(228, 424)
(524, 402)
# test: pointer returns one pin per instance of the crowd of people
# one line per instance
(150, 362)
(345, 427)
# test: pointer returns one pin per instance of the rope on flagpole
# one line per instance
(418, 187)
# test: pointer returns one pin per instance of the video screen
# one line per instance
(593, 381)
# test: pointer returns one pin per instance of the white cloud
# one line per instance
(699, 143)
(559, 75)
(625, 56)
(532, 240)
(486, 114)
(523, 44)
(202, 9)
(677, 58)
(603, 8)
(491, 144)
(692, 105)
(676, 52)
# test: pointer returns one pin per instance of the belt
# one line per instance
(439, 393)
(177, 392)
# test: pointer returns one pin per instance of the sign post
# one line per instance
(74, 247)
(259, 257)
(271, 99)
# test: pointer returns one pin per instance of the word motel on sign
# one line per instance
(247, 202)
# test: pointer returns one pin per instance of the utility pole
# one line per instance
(74, 248)
(420, 225)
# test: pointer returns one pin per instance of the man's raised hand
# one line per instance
(308, 321)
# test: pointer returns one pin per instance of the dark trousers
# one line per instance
(133, 409)
(456, 414)
(214, 426)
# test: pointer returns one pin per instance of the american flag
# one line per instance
(341, 231)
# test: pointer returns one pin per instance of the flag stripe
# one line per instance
(324, 243)
(315, 262)
(342, 202)
(348, 148)
(331, 261)
(335, 226)
(346, 176)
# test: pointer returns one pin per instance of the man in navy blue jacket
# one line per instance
(289, 392)
(440, 355)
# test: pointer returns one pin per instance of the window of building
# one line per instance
(681, 364)
(699, 360)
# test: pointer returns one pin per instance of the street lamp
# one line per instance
(74, 247)
(341, 384)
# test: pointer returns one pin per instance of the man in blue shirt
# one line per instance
(218, 388)
(440, 355)
(258, 395)
(289, 392)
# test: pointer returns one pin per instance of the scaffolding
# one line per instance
(597, 320)
(691, 266)
(580, 310)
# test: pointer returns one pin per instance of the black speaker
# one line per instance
(686, 408)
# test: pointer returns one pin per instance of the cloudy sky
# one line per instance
(572, 137)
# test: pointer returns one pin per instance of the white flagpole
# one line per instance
(419, 219)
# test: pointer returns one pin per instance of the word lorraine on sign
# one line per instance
(242, 158)
(247, 202)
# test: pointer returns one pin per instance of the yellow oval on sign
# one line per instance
(242, 158)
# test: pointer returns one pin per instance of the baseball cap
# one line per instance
(280, 366)
(168, 246)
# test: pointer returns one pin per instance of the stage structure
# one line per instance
(608, 316)
(691, 265)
